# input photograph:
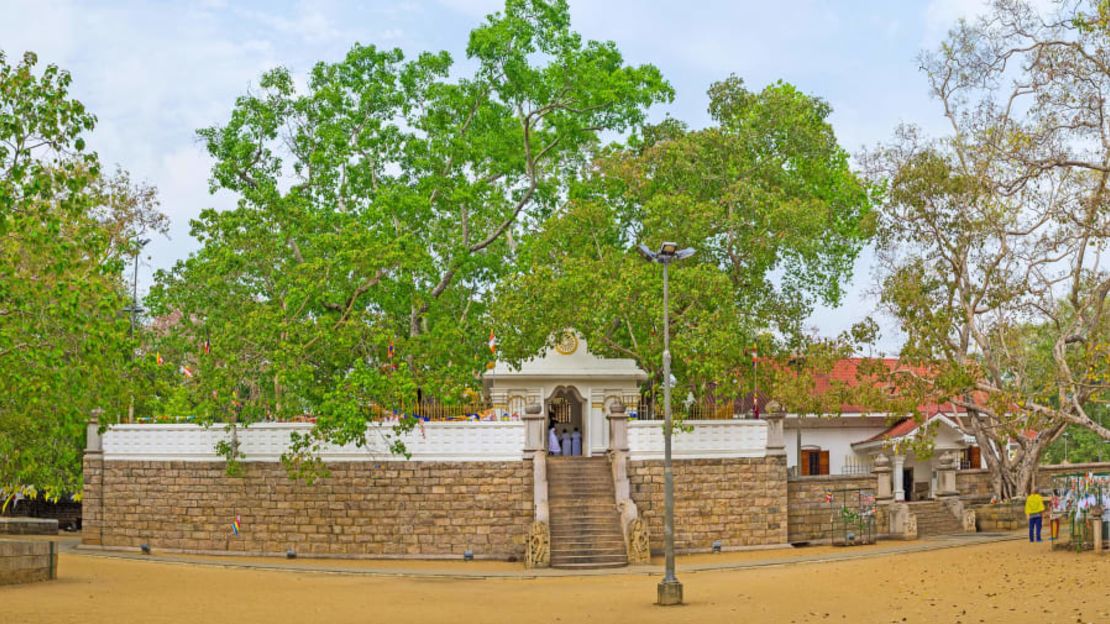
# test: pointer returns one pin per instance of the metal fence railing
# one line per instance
(855, 466)
(645, 408)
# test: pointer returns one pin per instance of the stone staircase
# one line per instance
(934, 518)
(585, 524)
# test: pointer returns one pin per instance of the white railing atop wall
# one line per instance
(265, 442)
(709, 439)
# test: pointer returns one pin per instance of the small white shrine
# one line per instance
(574, 387)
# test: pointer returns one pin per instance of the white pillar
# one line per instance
(535, 436)
(899, 490)
(882, 479)
(776, 445)
(618, 428)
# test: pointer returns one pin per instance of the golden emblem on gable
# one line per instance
(568, 343)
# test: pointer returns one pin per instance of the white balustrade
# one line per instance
(265, 442)
(709, 439)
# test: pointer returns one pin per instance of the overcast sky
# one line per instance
(154, 72)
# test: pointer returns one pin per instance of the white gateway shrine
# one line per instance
(574, 388)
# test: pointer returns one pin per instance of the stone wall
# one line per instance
(26, 562)
(976, 484)
(739, 501)
(810, 517)
(372, 509)
(28, 526)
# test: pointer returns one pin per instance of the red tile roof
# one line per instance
(897, 430)
(845, 371)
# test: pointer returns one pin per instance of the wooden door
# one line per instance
(814, 462)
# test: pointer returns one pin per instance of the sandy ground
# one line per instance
(1007, 582)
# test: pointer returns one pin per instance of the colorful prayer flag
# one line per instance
(185, 371)
(492, 343)
(206, 347)
(391, 349)
(158, 358)
(235, 525)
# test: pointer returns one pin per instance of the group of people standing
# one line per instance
(569, 443)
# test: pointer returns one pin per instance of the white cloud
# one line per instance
(473, 8)
(942, 15)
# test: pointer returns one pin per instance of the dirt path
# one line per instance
(1011, 582)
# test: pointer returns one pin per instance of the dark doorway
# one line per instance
(907, 483)
(565, 409)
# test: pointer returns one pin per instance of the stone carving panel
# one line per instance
(537, 548)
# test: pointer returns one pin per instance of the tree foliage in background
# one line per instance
(765, 196)
(66, 231)
(993, 237)
(378, 206)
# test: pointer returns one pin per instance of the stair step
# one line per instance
(591, 531)
(584, 522)
(613, 559)
(587, 566)
(585, 531)
(587, 548)
(615, 544)
(562, 558)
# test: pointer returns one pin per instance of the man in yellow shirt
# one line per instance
(1034, 509)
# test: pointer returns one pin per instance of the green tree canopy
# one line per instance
(377, 207)
(765, 196)
(66, 231)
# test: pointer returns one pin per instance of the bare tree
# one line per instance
(992, 237)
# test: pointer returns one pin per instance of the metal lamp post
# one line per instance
(1067, 437)
(132, 311)
(670, 589)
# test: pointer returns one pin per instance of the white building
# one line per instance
(848, 442)
(574, 387)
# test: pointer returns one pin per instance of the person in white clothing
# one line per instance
(566, 443)
(576, 442)
(553, 447)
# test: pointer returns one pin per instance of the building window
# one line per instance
(972, 458)
(814, 462)
(516, 406)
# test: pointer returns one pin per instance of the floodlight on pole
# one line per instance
(134, 310)
(669, 591)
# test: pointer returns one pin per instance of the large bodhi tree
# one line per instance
(66, 232)
(377, 206)
(993, 237)
(767, 199)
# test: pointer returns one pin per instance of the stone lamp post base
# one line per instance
(670, 593)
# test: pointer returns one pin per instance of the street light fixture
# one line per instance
(670, 589)
(134, 310)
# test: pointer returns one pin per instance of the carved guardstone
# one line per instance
(639, 546)
(969, 521)
(537, 551)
